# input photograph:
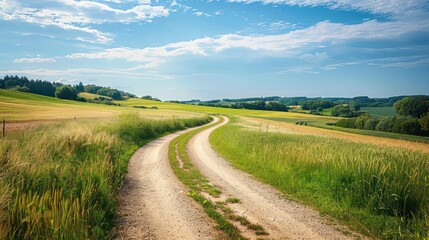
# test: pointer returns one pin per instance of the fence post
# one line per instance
(4, 127)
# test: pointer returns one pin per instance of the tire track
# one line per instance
(261, 203)
(152, 202)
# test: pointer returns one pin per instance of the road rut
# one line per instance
(152, 202)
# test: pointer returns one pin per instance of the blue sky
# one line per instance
(184, 49)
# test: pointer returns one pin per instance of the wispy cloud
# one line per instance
(293, 43)
(80, 16)
(34, 60)
(86, 72)
(395, 9)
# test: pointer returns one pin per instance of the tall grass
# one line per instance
(61, 181)
(378, 190)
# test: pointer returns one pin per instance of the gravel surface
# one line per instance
(153, 204)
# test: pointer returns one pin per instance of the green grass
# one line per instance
(324, 125)
(380, 111)
(380, 191)
(197, 183)
(61, 181)
(19, 106)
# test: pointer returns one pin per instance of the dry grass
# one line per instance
(289, 128)
(60, 180)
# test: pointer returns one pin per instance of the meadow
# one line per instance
(378, 190)
(380, 111)
(60, 180)
(19, 106)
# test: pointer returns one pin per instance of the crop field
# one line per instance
(216, 110)
(380, 111)
(60, 181)
(379, 190)
(92, 95)
(18, 106)
(325, 124)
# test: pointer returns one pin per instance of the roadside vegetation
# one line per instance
(380, 191)
(60, 181)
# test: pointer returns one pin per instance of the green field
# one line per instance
(19, 106)
(380, 191)
(324, 125)
(380, 111)
(92, 95)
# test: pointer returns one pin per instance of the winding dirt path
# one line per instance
(153, 204)
(260, 203)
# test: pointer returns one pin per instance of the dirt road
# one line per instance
(260, 203)
(153, 204)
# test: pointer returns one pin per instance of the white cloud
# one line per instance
(292, 44)
(129, 73)
(34, 60)
(78, 15)
(199, 14)
(393, 8)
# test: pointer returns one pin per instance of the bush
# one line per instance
(411, 126)
(360, 122)
(384, 125)
(66, 92)
(347, 123)
(371, 123)
(21, 89)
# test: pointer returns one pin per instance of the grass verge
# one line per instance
(379, 191)
(198, 185)
(61, 181)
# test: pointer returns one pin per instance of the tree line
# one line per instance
(256, 105)
(63, 91)
(412, 118)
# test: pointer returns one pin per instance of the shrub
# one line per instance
(66, 92)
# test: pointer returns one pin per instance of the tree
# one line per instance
(80, 87)
(385, 125)
(410, 126)
(343, 111)
(371, 123)
(412, 106)
(360, 121)
(424, 121)
(91, 88)
(66, 92)
(147, 97)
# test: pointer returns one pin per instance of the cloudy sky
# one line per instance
(206, 49)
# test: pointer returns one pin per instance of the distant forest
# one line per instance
(343, 107)
(59, 90)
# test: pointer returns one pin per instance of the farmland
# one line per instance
(18, 106)
(380, 111)
(370, 181)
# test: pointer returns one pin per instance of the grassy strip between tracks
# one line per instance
(198, 185)
(60, 181)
